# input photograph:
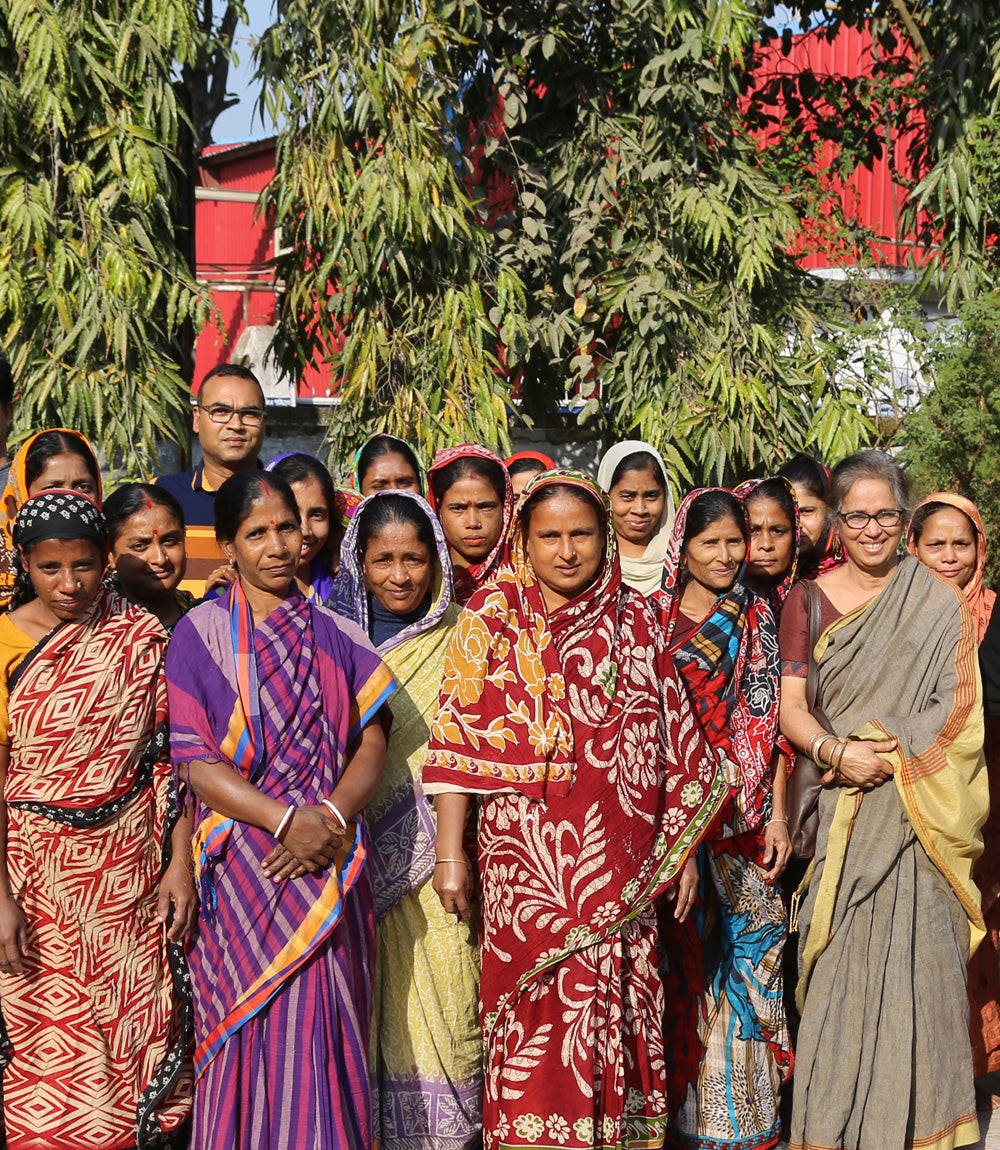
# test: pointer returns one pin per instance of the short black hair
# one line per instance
(236, 371)
(639, 461)
(468, 467)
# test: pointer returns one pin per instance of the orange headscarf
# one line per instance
(15, 494)
(980, 599)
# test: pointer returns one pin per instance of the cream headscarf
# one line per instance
(643, 572)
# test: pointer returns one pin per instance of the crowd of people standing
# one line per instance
(475, 804)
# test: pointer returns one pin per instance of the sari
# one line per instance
(469, 579)
(15, 493)
(984, 966)
(426, 1051)
(281, 973)
(645, 571)
(725, 1028)
(890, 909)
(595, 783)
(90, 808)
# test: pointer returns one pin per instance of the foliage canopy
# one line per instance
(93, 288)
(499, 201)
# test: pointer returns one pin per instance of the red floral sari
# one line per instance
(596, 785)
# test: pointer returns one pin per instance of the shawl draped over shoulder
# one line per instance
(402, 826)
(731, 667)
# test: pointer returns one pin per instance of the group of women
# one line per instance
(456, 813)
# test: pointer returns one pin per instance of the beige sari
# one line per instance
(891, 911)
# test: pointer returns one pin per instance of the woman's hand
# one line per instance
(222, 577)
(13, 936)
(684, 888)
(860, 765)
(312, 837)
(452, 883)
(177, 889)
(281, 864)
(777, 850)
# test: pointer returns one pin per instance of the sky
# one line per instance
(242, 122)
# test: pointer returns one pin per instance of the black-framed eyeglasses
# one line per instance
(859, 520)
(223, 413)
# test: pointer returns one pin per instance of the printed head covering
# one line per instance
(505, 720)
(352, 597)
(59, 514)
(730, 666)
(980, 599)
(643, 572)
(406, 451)
(470, 579)
(779, 593)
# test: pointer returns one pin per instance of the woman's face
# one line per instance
(149, 554)
(471, 514)
(637, 502)
(948, 545)
(772, 541)
(68, 472)
(314, 517)
(398, 569)
(267, 546)
(520, 480)
(390, 472)
(713, 557)
(812, 514)
(871, 548)
(66, 575)
(565, 546)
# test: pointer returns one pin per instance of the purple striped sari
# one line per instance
(284, 1068)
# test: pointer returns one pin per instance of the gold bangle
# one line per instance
(439, 861)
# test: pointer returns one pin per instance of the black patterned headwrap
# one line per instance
(59, 514)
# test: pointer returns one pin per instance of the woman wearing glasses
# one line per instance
(890, 911)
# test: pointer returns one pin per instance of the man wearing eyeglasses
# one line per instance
(230, 420)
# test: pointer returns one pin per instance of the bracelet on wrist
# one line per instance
(333, 809)
(464, 862)
(286, 818)
(769, 821)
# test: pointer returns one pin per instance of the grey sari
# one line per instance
(883, 1059)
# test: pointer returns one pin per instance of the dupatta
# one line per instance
(470, 579)
(402, 825)
(980, 599)
(643, 572)
(731, 667)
